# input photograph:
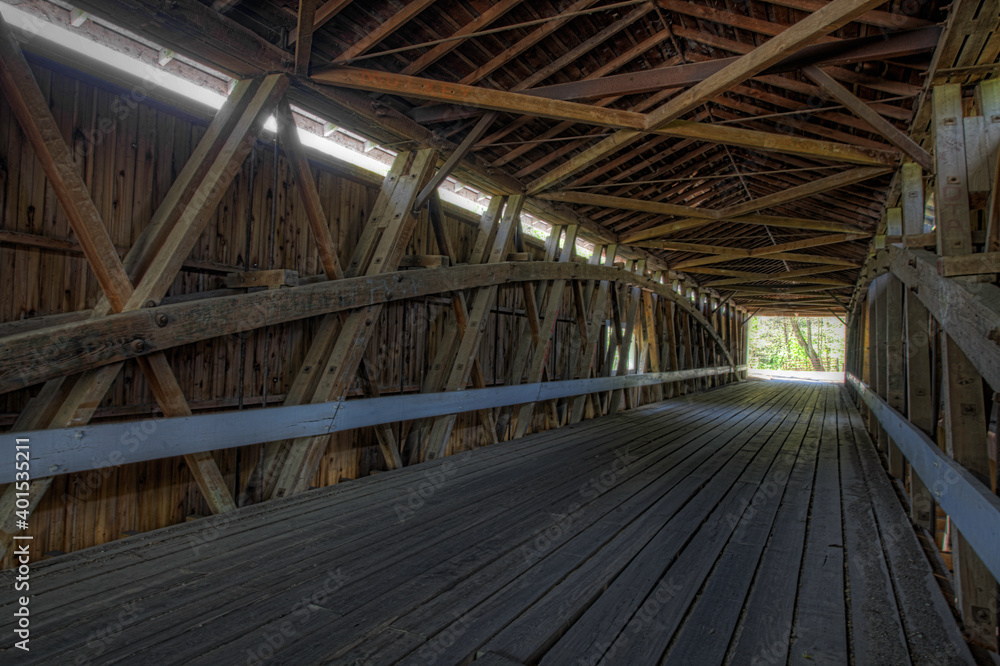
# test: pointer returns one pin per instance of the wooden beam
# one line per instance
(73, 403)
(494, 13)
(825, 184)
(969, 264)
(526, 42)
(961, 385)
(288, 133)
(272, 279)
(757, 251)
(861, 109)
(43, 133)
(321, 16)
(547, 328)
(631, 316)
(382, 245)
(184, 234)
(303, 47)
(762, 220)
(455, 326)
(759, 277)
(585, 364)
(842, 52)
(436, 442)
(919, 394)
(780, 256)
(396, 21)
(629, 204)
(780, 143)
(413, 87)
(824, 21)
(455, 158)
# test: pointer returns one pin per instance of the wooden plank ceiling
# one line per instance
(807, 142)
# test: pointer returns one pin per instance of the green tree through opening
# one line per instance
(797, 343)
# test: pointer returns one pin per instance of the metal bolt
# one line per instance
(150, 304)
(388, 295)
(161, 320)
(138, 346)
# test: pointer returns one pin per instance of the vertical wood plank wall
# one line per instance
(129, 154)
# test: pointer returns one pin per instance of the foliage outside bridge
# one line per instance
(797, 343)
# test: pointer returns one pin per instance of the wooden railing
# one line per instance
(66, 450)
(972, 507)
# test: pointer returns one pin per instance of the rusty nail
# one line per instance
(161, 320)
(138, 346)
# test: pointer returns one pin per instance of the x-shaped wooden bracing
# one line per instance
(150, 266)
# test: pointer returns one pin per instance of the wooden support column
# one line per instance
(670, 344)
(651, 336)
(920, 407)
(455, 327)
(961, 390)
(871, 346)
(625, 344)
(692, 384)
(548, 326)
(380, 250)
(586, 363)
(436, 443)
(988, 96)
(320, 227)
(264, 479)
(534, 294)
(881, 361)
(895, 371)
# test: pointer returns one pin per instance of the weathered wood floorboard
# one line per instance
(751, 523)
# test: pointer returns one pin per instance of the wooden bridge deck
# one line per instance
(750, 524)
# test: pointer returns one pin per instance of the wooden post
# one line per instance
(436, 443)
(894, 383)
(548, 326)
(920, 409)
(380, 249)
(587, 364)
(961, 389)
(455, 326)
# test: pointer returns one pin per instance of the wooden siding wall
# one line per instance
(129, 154)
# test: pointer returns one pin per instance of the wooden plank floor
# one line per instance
(750, 524)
